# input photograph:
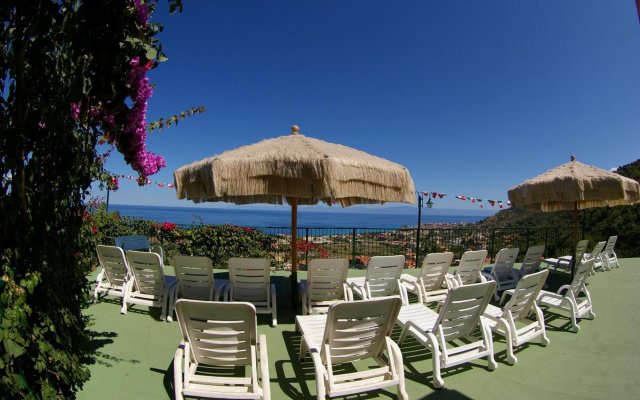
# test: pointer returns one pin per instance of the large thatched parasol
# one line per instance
(295, 169)
(574, 186)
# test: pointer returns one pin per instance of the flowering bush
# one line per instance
(73, 74)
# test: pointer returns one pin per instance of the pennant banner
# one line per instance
(472, 199)
(147, 182)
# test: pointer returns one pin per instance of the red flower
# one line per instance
(168, 226)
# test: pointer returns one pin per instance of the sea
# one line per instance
(262, 218)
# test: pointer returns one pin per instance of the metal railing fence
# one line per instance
(359, 244)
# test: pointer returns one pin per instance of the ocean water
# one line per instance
(282, 218)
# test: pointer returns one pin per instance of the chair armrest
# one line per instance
(348, 292)
(178, 370)
(101, 275)
(404, 296)
(264, 366)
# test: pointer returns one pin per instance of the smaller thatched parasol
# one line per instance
(574, 186)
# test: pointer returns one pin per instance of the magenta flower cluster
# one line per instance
(130, 137)
(135, 126)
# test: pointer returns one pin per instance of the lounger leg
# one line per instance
(403, 334)
(274, 311)
(489, 343)
(177, 373)
(511, 358)
(544, 340)
(438, 382)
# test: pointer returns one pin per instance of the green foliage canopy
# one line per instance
(71, 72)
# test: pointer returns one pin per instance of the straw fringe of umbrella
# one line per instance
(574, 185)
(295, 166)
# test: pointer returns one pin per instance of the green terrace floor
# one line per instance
(134, 352)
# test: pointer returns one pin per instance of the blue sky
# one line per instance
(472, 97)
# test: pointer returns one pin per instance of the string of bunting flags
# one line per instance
(472, 199)
(147, 182)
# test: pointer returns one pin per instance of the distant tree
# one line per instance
(72, 74)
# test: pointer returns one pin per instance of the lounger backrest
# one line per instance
(133, 242)
(525, 294)
(434, 268)
(326, 278)
(597, 249)
(504, 263)
(114, 263)
(471, 264)
(581, 248)
(611, 243)
(580, 278)
(460, 314)
(219, 333)
(532, 259)
(195, 277)
(357, 330)
(249, 279)
(147, 269)
(383, 273)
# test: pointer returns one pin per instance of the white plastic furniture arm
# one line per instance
(404, 296)
(177, 371)
(264, 367)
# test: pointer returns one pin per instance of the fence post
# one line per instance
(493, 244)
(306, 254)
(353, 248)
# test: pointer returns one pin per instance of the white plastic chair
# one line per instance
(382, 279)
(609, 258)
(428, 286)
(325, 285)
(469, 269)
(115, 272)
(138, 243)
(350, 332)
(597, 256)
(578, 307)
(219, 337)
(520, 320)
(149, 286)
(195, 278)
(531, 262)
(566, 261)
(459, 317)
(250, 281)
(502, 270)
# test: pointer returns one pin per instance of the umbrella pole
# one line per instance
(575, 238)
(294, 251)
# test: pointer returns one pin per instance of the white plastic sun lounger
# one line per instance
(382, 279)
(564, 262)
(115, 272)
(458, 318)
(469, 269)
(149, 286)
(502, 270)
(250, 280)
(218, 337)
(520, 320)
(578, 307)
(531, 262)
(428, 286)
(350, 332)
(325, 285)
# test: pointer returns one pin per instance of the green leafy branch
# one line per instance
(174, 119)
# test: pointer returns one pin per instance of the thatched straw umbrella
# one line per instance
(574, 186)
(295, 169)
